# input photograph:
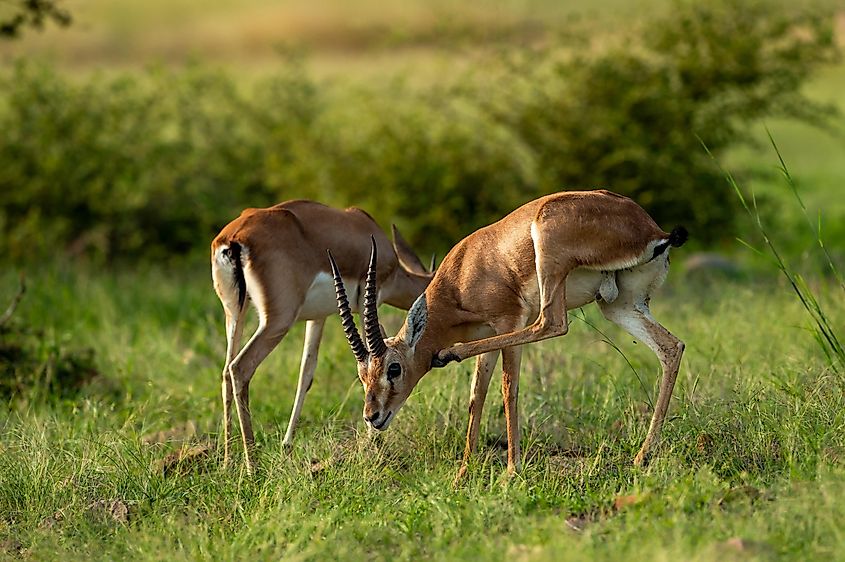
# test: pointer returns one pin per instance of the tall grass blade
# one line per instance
(824, 333)
(817, 230)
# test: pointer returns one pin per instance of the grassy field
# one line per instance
(752, 465)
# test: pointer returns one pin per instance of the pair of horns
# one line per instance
(372, 331)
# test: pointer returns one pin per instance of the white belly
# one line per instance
(582, 285)
(320, 301)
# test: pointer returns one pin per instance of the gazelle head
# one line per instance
(389, 368)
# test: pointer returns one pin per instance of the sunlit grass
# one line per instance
(755, 440)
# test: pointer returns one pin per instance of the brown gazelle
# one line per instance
(511, 283)
(276, 258)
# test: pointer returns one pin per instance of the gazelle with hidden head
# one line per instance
(276, 258)
(511, 283)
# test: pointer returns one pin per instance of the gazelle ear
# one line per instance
(407, 257)
(416, 321)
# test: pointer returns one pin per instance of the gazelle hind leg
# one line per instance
(552, 271)
(234, 333)
(484, 366)
(271, 329)
(635, 318)
(313, 335)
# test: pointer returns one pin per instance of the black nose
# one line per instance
(373, 418)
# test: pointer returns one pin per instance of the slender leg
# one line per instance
(234, 332)
(271, 330)
(511, 358)
(637, 321)
(551, 322)
(484, 366)
(313, 335)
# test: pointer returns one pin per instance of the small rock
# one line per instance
(11, 546)
(184, 460)
(318, 466)
(740, 493)
(116, 510)
(738, 544)
(708, 263)
(577, 524)
(621, 502)
(179, 433)
(51, 521)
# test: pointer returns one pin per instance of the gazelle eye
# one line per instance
(393, 371)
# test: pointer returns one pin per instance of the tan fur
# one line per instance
(506, 285)
(283, 253)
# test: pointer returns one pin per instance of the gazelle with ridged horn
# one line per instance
(511, 283)
(275, 258)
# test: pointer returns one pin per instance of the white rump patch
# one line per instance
(221, 259)
(223, 276)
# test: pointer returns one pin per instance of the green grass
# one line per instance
(753, 448)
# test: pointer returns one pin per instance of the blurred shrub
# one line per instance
(632, 116)
(437, 165)
(20, 14)
(150, 165)
(143, 166)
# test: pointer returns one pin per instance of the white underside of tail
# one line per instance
(223, 276)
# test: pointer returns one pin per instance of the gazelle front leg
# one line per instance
(511, 358)
(313, 335)
(484, 366)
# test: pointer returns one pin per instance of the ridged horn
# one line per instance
(352, 335)
(372, 330)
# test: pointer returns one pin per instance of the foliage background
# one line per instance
(151, 164)
(130, 137)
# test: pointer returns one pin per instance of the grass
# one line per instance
(752, 464)
(753, 450)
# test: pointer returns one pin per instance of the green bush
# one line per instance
(151, 164)
(631, 117)
(436, 165)
(135, 166)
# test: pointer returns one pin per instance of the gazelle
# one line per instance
(511, 283)
(276, 258)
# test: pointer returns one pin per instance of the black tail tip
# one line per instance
(678, 236)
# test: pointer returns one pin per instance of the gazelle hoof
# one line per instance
(460, 478)
(639, 460)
